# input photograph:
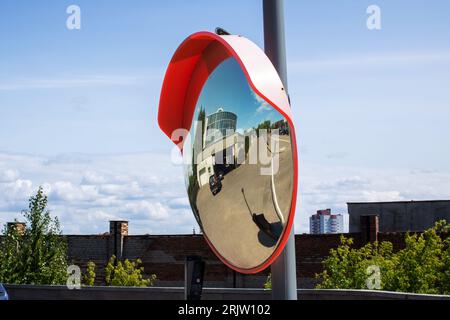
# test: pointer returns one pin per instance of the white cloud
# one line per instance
(374, 196)
(16, 190)
(8, 175)
(263, 105)
(328, 186)
(66, 191)
(179, 202)
(343, 183)
(85, 191)
(146, 209)
(92, 178)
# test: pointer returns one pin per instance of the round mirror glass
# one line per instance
(239, 168)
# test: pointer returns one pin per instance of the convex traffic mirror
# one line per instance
(225, 107)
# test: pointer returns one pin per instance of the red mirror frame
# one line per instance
(190, 67)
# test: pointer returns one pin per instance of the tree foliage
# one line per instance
(423, 266)
(89, 277)
(127, 273)
(268, 283)
(39, 255)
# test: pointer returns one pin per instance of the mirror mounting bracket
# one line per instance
(222, 32)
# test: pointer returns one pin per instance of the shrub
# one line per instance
(127, 273)
(268, 283)
(421, 267)
(89, 277)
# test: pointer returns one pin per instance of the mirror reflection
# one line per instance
(239, 168)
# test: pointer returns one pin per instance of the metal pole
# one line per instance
(284, 271)
(194, 269)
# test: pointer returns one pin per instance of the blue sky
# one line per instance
(78, 107)
(227, 88)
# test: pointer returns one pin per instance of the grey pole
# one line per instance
(284, 271)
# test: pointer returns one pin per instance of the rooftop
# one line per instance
(408, 201)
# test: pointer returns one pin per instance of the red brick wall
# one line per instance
(397, 239)
(311, 250)
(164, 256)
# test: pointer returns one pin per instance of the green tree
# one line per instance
(446, 266)
(89, 277)
(346, 267)
(421, 267)
(268, 283)
(39, 256)
(265, 125)
(9, 246)
(127, 273)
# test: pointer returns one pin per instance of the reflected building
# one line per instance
(222, 146)
(218, 125)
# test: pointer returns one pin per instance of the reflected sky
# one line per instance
(227, 88)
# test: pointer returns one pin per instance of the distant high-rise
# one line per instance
(325, 222)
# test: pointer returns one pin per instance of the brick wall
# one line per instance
(164, 255)
(84, 248)
(311, 250)
(397, 239)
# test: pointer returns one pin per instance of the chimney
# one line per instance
(369, 228)
(19, 227)
(117, 231)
